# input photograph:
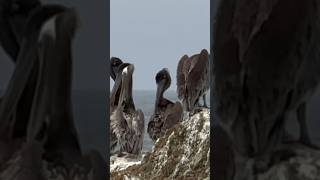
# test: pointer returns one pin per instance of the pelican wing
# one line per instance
(138, 125)
(198, 79)
(154, 126)
(174, 115)
(118, 124)
(257, 67)
(139, 132)
(198, 76)
(182, 70)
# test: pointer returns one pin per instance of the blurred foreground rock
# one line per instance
(27, 164)
(290, 162)
(183, 153)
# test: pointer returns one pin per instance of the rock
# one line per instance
(27, 163)
(289, 162)
(121, 163)
(182, 153)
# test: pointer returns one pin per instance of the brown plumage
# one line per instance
(52, 107)
(267, 65)
(193, 79)
(51, 145)
(166, 113)
(115, 98)
(114, 70)
(126, 122)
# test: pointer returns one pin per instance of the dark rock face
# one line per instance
(182, 153)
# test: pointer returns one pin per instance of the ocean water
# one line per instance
(90, 107)
(89, 112)
(90, 115)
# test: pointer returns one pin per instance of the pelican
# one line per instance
(114, 70)
(50, 133)
(114, 65)
(52, 103)
(24, 69)
(126, 122)
(264, 72)
(166, 113)
(193, 79)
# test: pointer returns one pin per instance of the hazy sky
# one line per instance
(156, 34)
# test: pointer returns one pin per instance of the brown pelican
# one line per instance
(126, 122)
(267, 65)
(193, 79)
(51, 147)
(55, 66)
(166, 113)
(114, 65)
(26, 62)
(114, 69)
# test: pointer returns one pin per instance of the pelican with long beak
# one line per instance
(114, 66)
(51, 135)
(127, 122)
(166, 113)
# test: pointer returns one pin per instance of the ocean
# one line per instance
(89, 109)
(90, 115)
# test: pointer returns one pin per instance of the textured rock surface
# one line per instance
(183, 153)
(291, 162)
(121, 163)
(26, 164)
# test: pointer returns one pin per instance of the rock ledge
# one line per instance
(182, 153)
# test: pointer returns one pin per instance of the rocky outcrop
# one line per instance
(289, 162)
(305, 165)
(27, 163)
(182, 153)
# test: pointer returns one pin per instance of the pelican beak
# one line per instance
(126, 88)
(112, 73)
(160, 90)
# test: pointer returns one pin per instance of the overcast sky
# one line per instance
(156, 34)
